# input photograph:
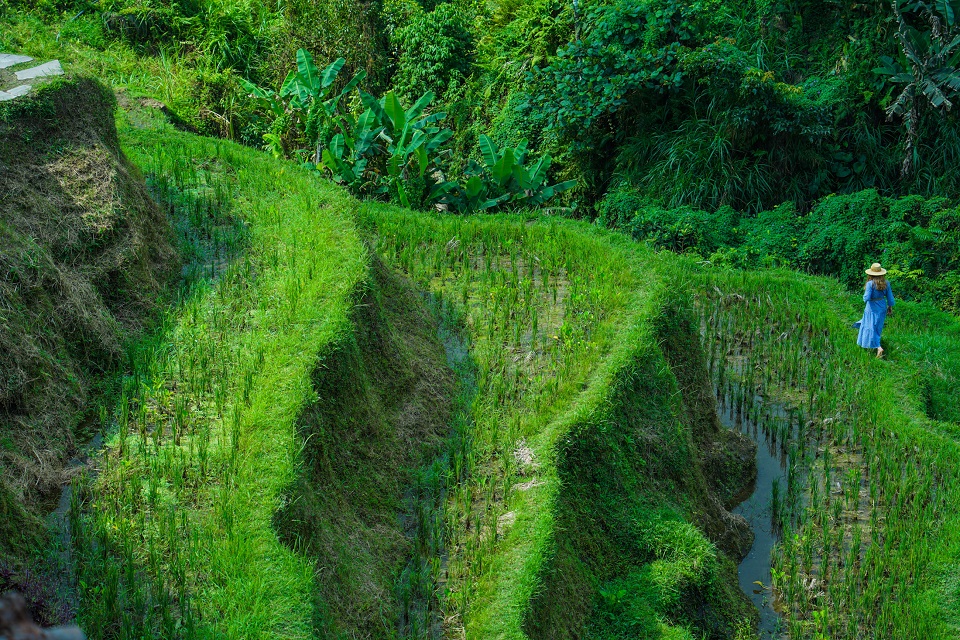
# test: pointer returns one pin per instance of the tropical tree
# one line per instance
(927, 68)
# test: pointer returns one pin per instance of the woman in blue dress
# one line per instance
(879, 298)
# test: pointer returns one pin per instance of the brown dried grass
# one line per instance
(84, 255)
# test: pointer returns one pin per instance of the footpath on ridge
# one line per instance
(18, 73)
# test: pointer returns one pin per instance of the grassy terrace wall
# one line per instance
(176, 537)
(381, 411)
(625, 555)
(84, 255)
(574, 505)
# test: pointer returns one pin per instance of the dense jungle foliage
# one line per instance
(731, 129)
(737, 130)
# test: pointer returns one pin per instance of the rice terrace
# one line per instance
(480, 319)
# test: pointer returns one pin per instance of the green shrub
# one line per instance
(433, 49)
(771, 239)
(682, 229)
(332, 29)
(917, 239)
(85, 29)
(949, 286)
(841, 233)
(219, 34)
(146, 24)
(619, 206)
(217, 102)
(233, 34)
(626, 48)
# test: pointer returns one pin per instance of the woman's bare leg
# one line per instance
(879, 352)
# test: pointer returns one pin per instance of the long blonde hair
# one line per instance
(880, 282)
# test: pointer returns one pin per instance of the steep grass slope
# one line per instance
(635, 506)
(177, 536)
(585, 459)
(84, 254)
(382, 408)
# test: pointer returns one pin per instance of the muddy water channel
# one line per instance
(759, 507)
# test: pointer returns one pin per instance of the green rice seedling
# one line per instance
(203, 332)
(881, 473)
(564, 309)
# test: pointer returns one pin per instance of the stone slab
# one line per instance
(16, 92)
(51, 68)
(10, 59)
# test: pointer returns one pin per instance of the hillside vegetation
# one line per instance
(464, 289)
(543, 333)
(529, 471)
(785, 118)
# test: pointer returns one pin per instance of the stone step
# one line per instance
(51, 68)
(10, 59)
(16, 92)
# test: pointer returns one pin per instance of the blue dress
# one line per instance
(874, 315)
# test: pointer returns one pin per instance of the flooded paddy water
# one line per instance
(758, 508)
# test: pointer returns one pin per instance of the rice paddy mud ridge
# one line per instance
(18, 73)
(754, 570)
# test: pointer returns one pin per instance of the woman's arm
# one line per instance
(890, 300)
(868, 291)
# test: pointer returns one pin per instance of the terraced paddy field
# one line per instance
(354, 420)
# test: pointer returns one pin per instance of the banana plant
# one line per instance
(307, 86)
(533, 190)
(305, 94)
(410, 138)
(471, 196)
(346, 169)
(346, 157)
(526, 186)
(929, 65)
(503, 177)
(266, 99)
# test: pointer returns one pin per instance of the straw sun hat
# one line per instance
(875, 270)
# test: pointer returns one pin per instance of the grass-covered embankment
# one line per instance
(380, 413)
(581, 468)
(177, 536)
(84, 256)
(640, 493)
